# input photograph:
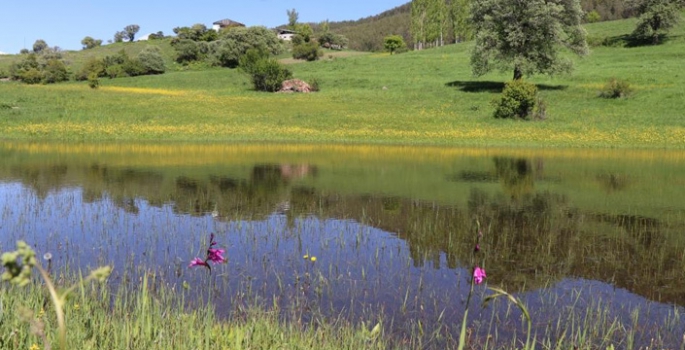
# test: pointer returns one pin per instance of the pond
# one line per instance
(589, 238)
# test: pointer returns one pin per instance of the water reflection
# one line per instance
(399, 245)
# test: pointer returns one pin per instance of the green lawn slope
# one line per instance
(421, 97)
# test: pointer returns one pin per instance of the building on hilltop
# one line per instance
(285, 34)
(225, 23)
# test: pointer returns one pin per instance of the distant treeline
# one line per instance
(367, 34)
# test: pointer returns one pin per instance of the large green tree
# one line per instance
(526, 36)
(419, 20)
(657, 17)
(460, 16)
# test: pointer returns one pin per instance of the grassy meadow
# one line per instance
(426, 97)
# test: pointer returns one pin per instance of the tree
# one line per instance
(526, 36)
(235, 43)
(332, 40)
(39, 46)
(656, 18)
(131, 31)
(461, 21)
(437, 21)
(198, 32)
(393, 42)
(119, 36)
(292, 18)
(418, 22)
(89, 43)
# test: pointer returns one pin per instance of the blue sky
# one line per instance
(64, 23)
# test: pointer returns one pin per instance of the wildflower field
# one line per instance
(425, 97)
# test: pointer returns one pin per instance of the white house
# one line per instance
(285, 34)
(225, 23)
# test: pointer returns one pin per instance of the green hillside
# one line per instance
(424, 97)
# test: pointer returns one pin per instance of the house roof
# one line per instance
(228, 23)
(286, 31)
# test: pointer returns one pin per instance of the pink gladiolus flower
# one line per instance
(198, 262)
(215, 255)
(478, 275)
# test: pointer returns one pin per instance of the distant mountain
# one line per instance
(367, 34)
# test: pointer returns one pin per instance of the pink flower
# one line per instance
(476, 249)
(215, 255)
(478, 275)
(198, 262)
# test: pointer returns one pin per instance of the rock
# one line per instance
(295, 85)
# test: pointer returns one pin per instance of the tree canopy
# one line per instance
(656, 18)
(131, 31)
(526, 36)
(89, 42)
(393, 42)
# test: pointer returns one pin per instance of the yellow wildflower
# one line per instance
(34, 347)
(313, 259)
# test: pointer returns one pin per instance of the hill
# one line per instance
(367, 34)
(418, 97)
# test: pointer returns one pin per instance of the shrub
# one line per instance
(249, 60)
(307, 51)
(593, 16)
(616, 88)
(93, 80)
(518, 100)
(116, 71)
(55, 71)
(93, 65)
(31, 76)
(151, 60)
(269, 75)
(314, 85)
(234, 43)
(186, 51)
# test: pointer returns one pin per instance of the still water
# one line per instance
(595, 236)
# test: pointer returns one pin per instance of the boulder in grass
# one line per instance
(295, 85)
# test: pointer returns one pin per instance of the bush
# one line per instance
(186, 51)
(249, 60)
(593, 17)
(519, 100)
(269, 75)
(616, 88)
(314, 85)
(55, 71)
(116, 71)
(93, 80)
(151, 60)
(307, 51)
(31, 76)
(93, 65)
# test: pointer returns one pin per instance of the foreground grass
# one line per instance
(153, 316)
(427, 97)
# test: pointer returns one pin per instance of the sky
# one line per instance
(65, 23)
